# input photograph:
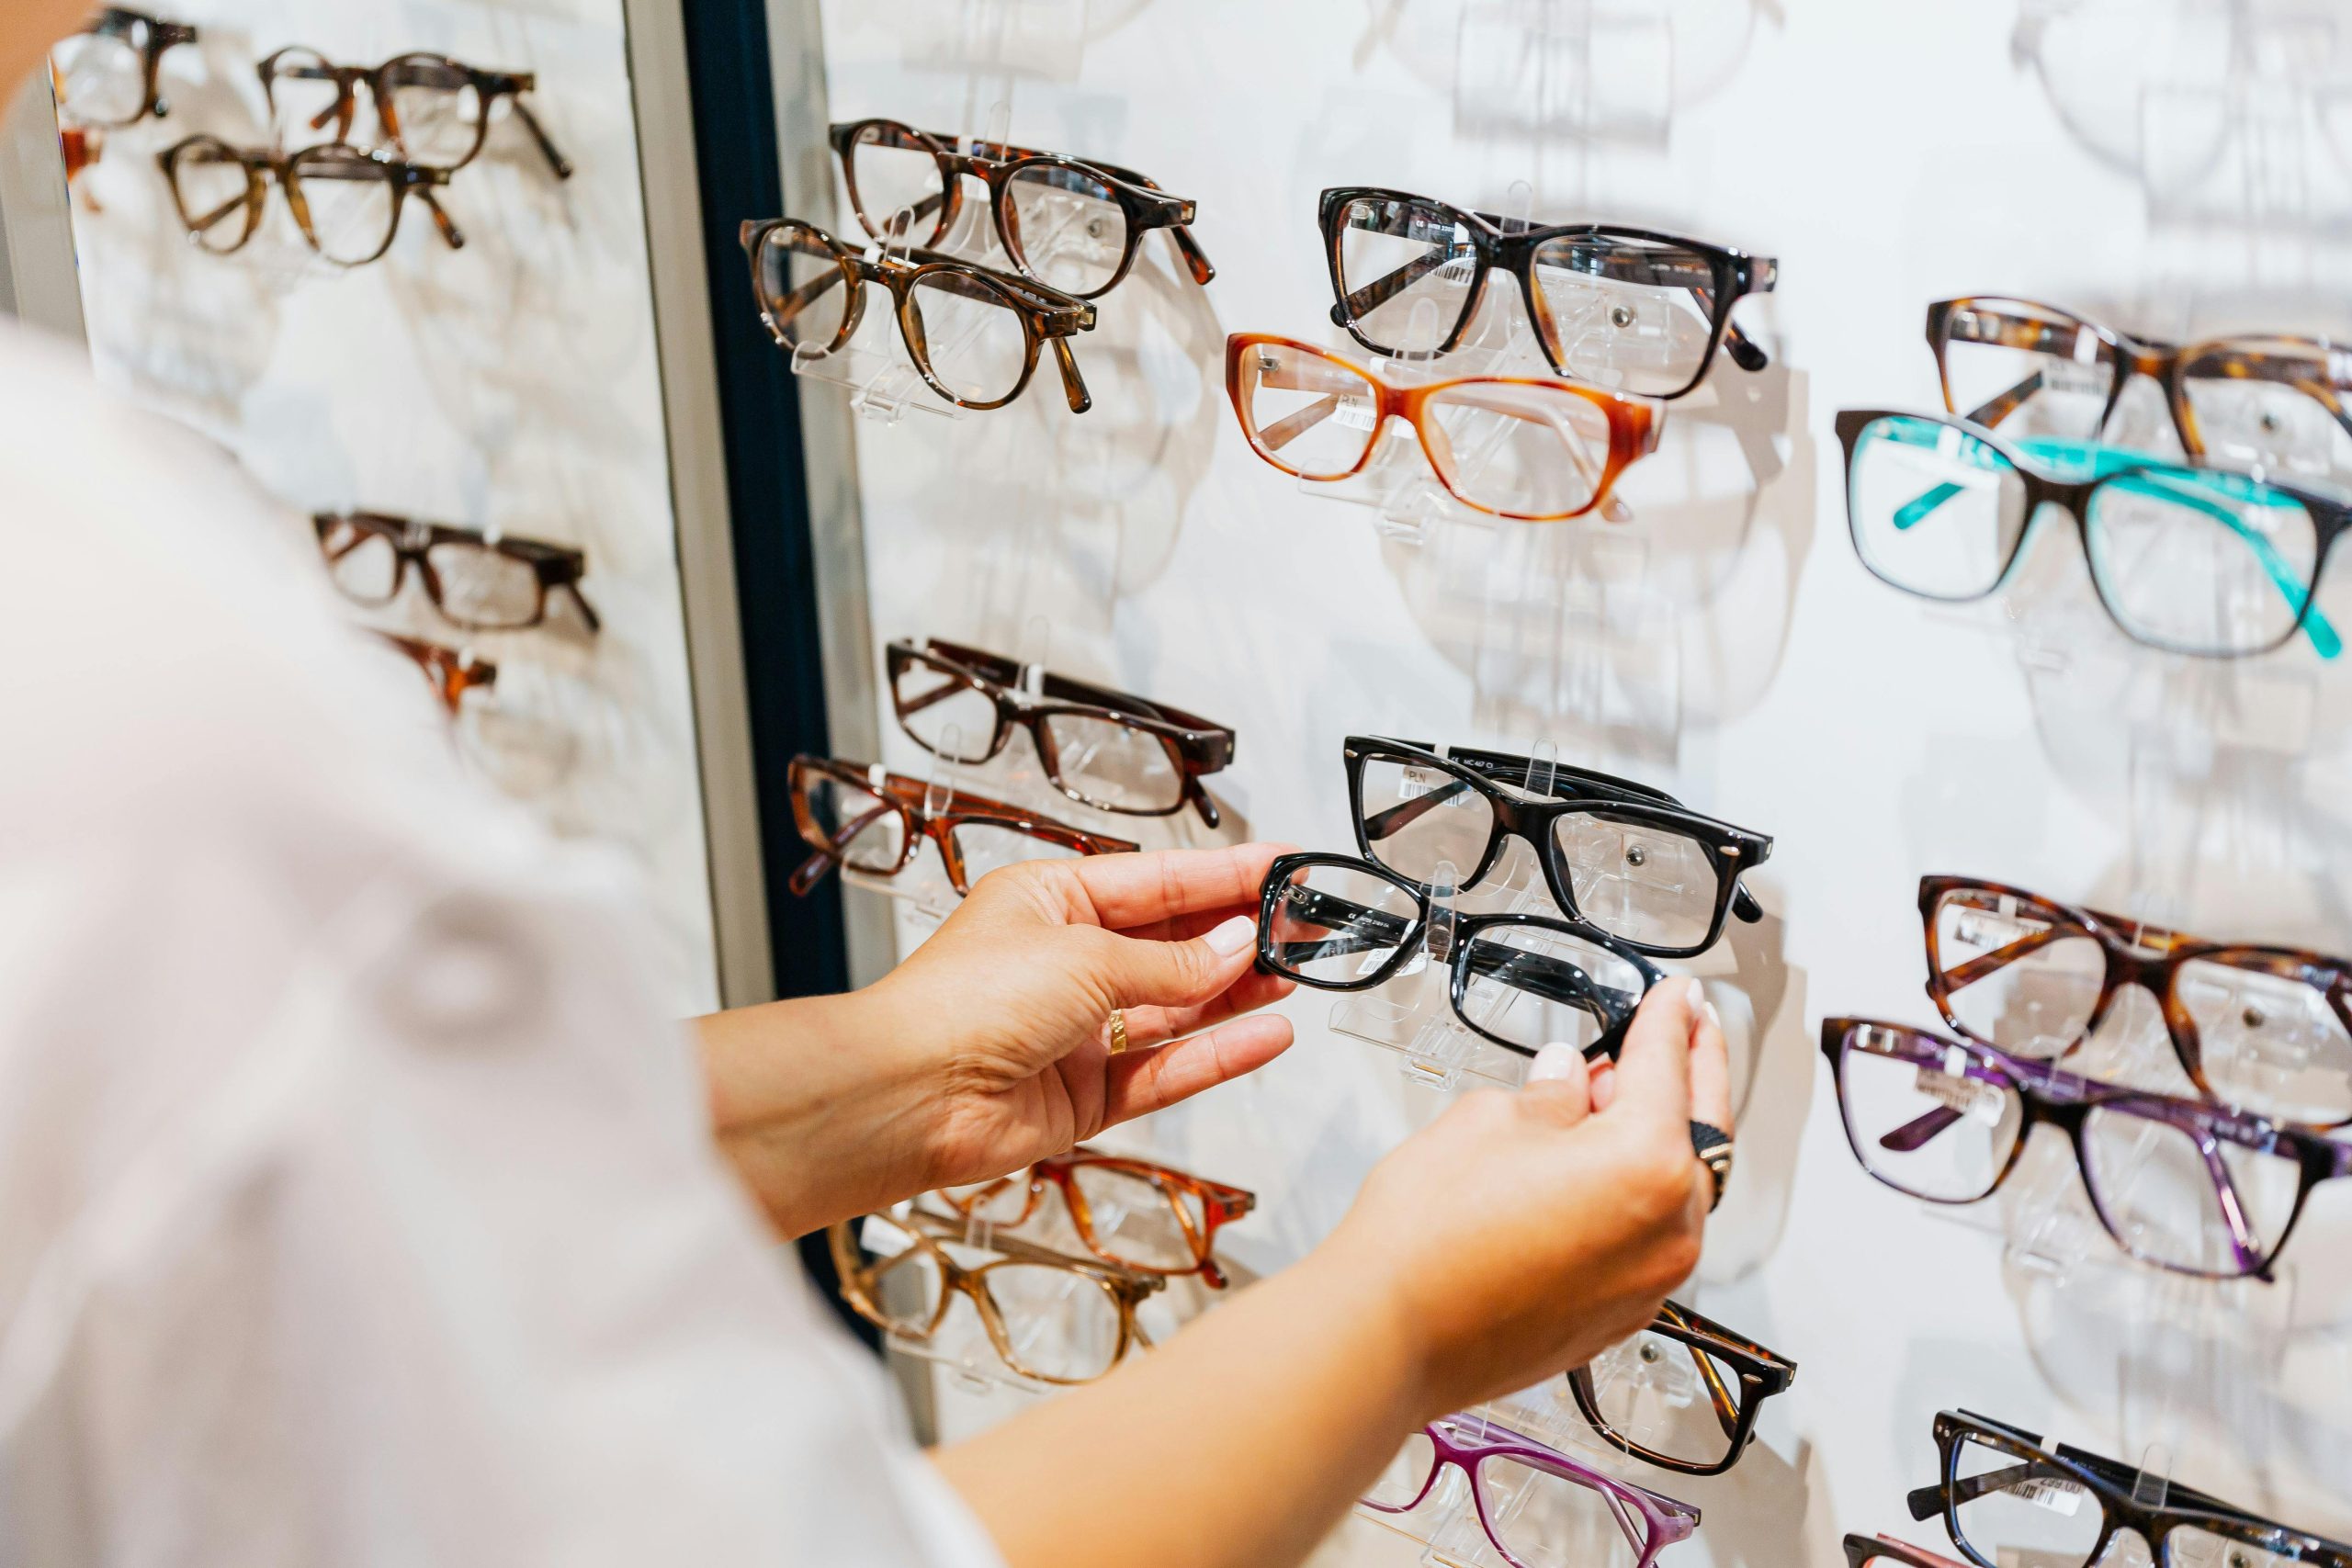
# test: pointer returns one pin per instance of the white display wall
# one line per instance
(2167, 166)
(511, 384)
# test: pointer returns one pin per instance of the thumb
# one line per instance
(1142, 971)
(1559, 1085)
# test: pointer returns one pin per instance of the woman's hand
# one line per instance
(1522, 1234)
(990, 1045)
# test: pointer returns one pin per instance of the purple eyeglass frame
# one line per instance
(1651, 1522)
(2065, 1099)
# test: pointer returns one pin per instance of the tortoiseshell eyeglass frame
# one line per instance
(2318, 369)
(2044, 485)
(451, 673)
(554, 567)
(332, 161)
(996, 164)
(1862, 1549)
(1505, 244)
(1761, 1374)
(1195, 746)
(1731, 850)
(2118, 1488)
(1364, 929)
(1048, 316)
(1219, 1205)
(1633, 426)
(859, 1276)
(2147, 956)
(438, 72)
(152, 38)
(2064, 1101)
(922, 815)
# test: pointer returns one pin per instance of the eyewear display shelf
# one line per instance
(1710, 632)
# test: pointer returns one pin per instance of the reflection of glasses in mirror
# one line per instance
(432, 110)
(479, 580)
(347, 203)
(451, 673)
(107, 74)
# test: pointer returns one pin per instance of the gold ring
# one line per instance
(1118, 1033)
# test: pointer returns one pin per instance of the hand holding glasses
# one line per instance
(1624, 308)
(347, 203)
(2008, 1495)
(2188, 1186)
(433, 110)
(1069, 223)
(1514, 446)
(873, 821)
(2199, 562)
(2261, 1029)
(973, 333)
(1112, 751)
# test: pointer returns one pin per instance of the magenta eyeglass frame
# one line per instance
(1651, 1522)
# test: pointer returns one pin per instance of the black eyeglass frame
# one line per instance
(1504, 243)
(1731, 850)
(1581, 991)
(2116, 1487)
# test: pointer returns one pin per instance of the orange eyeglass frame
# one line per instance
(1219, 1203)
(1633, 427)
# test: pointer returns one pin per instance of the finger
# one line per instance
(1710, 1070)
(1136, 972)
(1127, 892)
(1144, 1081)
(1558, 1086)
(1155, 1025)
(1604, 1083)
(1653, 1069)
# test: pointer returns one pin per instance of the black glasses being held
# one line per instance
(1338, 923)
(1618, 856)
(973, 333)
(108, 73)
(1112, 751)
(1072, 224)
(1624, 308)
(481, 582)
(2009, 1496)
(347, 203)
(431, 109)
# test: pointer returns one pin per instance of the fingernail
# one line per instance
(1714, 1019)
(1694, 995)
(1557, 1061)
(1232, 937)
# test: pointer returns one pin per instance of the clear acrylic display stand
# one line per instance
(873, 364)
(1589, 71)
(922, 888)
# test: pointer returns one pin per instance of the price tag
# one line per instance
(1354, 413)
(2060, 1497)
(1980, 1101)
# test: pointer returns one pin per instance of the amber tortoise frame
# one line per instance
(922, 811)
(1198, 1207)
(431, 549)
(217, 227)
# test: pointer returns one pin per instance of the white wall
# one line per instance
(1725, 644)
(513, 384)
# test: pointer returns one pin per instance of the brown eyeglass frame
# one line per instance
(1048, 316)
(289, 170)
(1761, 1372)
(554, 567)
(452, 673)
(922, 815)
(2023, 324)
(1196, 745)
(1127, 1288)
(1633, 427)
(1219, 1205)
(1145, 206)
(488, 87)
(2149, 957)
(1862, 1549)
(153, 37)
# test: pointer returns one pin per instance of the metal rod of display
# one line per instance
(39, 283)
(828, 460)
(673, 219)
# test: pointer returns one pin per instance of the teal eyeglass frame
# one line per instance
(2067, 473)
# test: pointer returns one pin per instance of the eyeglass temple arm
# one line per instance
(1073, 384)
(1927, 1502)
(2000, 958)
(449, 231)
(1382, 825)
(2125, 1478)
(557, 162)
(1196, 259)
(1380, 290)
(1367, 930)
